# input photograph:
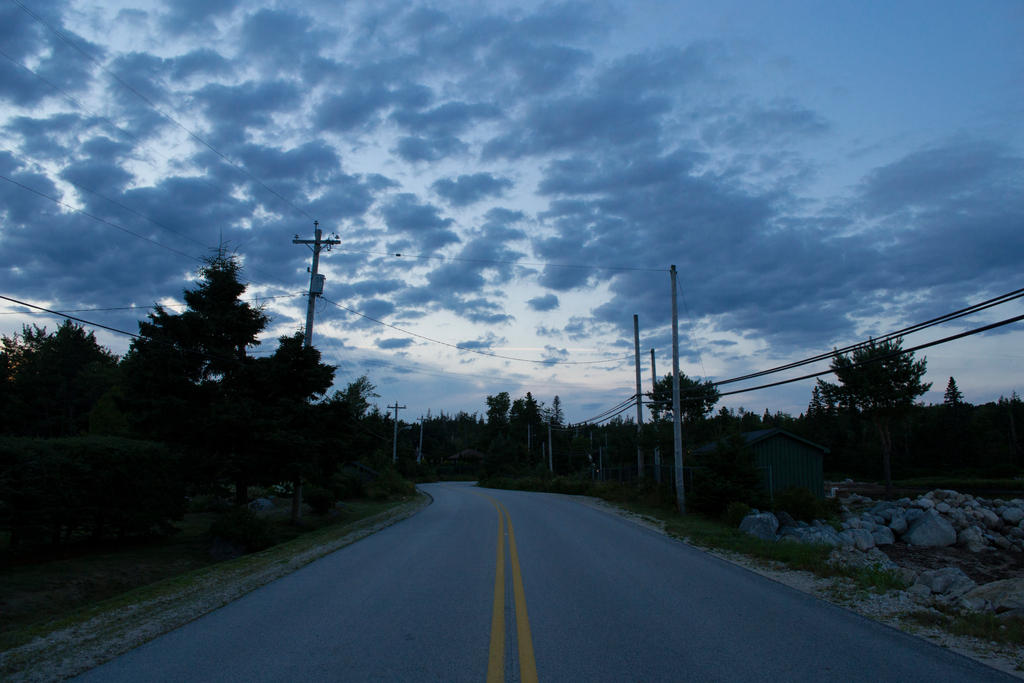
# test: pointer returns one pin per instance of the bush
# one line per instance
(727, 475)
(799, 503)
(59, 489)
(347, 486)
(388, 484)
(735, 512)
(242, 527)
(319, 499)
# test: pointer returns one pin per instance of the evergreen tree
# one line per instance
(187, 377)
(952, 398)
(881, 382)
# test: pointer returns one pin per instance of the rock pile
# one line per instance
(937, 518)
(940, 518)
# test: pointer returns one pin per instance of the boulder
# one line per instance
(856, 559)
(913, 514)
(998, 596)
(898, 523)
(943, 508)
(972, 538)
(261, 504)
(930, 530)
(785, 519)
(862, 538)
(1013, 515)
(998, 540)
(924, 503)
(883, 536)
(949, 582)
(987, 517)
(761, 524)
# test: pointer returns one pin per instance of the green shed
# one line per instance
(786, 460)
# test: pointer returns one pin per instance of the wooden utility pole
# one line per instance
(654, 391)
(394, 441)
(316, 288)
(316, 281)
(639, 399)
(677, 419)
(551, 455)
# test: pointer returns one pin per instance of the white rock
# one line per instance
(931, 530)
(883, 536)
(862, 538)
(943, 508)
(763, 525)
(972, 539)
(949, 582)
(898, 524)
(924, 503)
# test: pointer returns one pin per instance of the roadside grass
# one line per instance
(983, 625)
(40, 598)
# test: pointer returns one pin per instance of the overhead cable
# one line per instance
(944, 340)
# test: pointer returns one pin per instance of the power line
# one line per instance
(983, 305)
(139, 308)
(476, 351)
(944, 340)
(100, 219)
(152, 105)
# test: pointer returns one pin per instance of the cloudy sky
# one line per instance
(818, 172)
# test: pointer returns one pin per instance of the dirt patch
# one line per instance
(983, 567)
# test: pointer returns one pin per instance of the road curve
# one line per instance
(504, 585)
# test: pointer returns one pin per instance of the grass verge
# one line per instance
(985, 626)
(88, 635)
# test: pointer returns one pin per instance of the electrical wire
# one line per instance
(476, 351)
(100, 219)
(980, 306)
(944, 340)
(139, 308)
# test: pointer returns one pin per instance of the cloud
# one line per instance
(548, 302)
(394, 343)
(195, 15)
(936, 175)
(415, 148)
(406, 215)
(486, 342)
(470, 188)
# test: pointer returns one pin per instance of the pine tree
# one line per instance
(952, 398)
(880, 382)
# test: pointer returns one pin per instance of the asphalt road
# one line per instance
(564, 592)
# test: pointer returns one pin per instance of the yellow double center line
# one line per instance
(496, 660)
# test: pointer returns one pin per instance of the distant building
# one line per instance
(785, 460)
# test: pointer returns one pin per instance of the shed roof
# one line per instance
(752, 438)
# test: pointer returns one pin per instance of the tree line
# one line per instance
(191, 410)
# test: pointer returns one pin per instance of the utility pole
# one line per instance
(419, 449)
(677, 421)
(394, 442)
(316, 288)
(551, 454)
(654, 391)
(639, 399)
(316, 281)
